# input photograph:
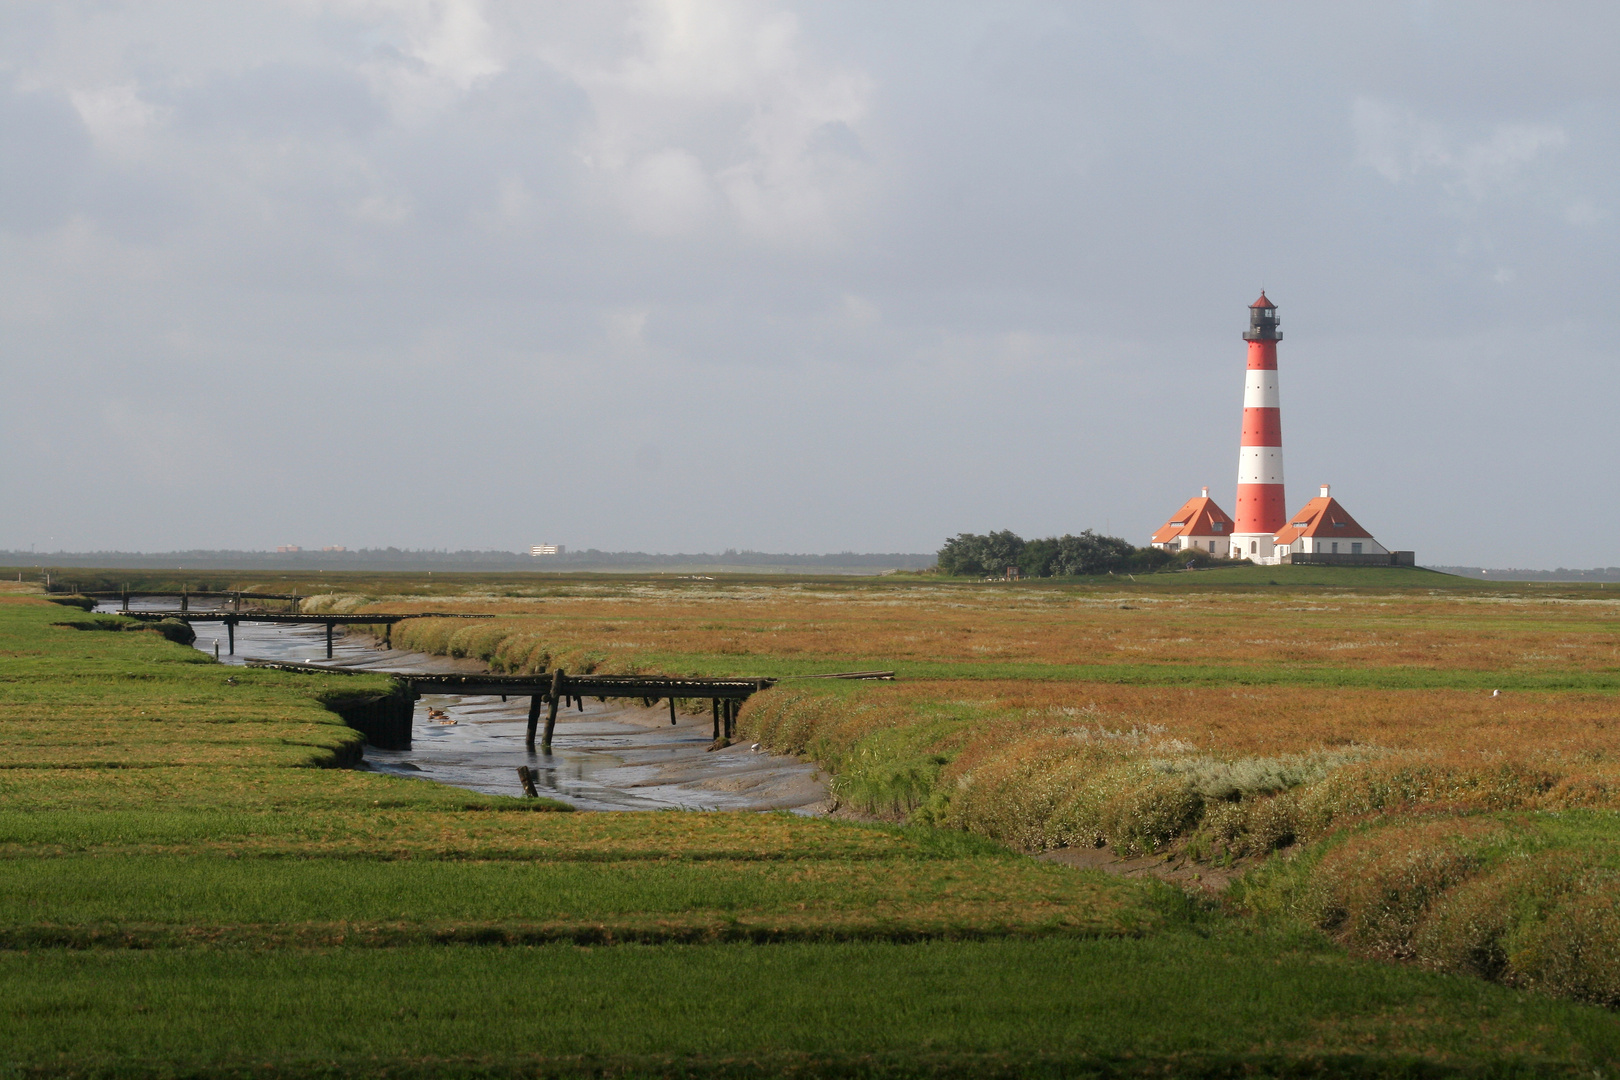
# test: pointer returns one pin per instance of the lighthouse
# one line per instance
(1261, 510)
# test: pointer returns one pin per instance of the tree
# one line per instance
(1052, 556)
(973, 554)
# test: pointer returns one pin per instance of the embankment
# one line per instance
(1528, 900)
(1507, 868)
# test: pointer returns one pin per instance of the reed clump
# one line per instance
(1520, 900)
(505, 648)
(1012, 764)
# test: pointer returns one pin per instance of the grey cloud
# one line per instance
(279, 100)
(44, 150)
(894, 277)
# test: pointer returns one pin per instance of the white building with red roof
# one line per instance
(1323, 527)
(1198, 524)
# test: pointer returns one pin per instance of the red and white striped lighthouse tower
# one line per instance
(1261, 510)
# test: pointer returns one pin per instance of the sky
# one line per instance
(682, 276)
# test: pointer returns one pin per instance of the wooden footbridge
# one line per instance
(186, 596)
(555, 690)
(331, 622)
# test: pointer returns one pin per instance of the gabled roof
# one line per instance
(1198, 517)
(1262, 302)
(1322, 517)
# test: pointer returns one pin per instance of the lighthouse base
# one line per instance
(1257, 547)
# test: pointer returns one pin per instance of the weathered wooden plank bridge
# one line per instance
(185, 596)
(556, 689)
(331, 622)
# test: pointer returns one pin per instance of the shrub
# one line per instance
(1146, 818)
(1373, 890)
(1468, 929)
(1053, 556)
(1574, 950)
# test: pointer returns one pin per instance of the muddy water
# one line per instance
(612, 756)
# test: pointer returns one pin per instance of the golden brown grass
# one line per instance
(931, 624)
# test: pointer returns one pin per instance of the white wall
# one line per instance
(1222, 544)
(1324, 546)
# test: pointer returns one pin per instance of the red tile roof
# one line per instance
(1324, 518)
(1198, 517)
(1262, 302)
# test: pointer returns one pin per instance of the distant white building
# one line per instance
(1323, 527)
(1198, 524)
(547, 549)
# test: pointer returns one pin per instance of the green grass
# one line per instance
(187, 887)
(152, 900)
(1178, 1004)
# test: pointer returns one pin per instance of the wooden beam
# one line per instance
(559, 686)
(526, 778)
(535, 701)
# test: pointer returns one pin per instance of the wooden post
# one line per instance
(672, 711)
(559, 686)
(185, 599)
(579, 702)
(126, 597)
(230, 632)
(727, 707)
(714, 704)
(239, 600)
(526, 778)
(329, 641)
(535, 701)
(388, 638)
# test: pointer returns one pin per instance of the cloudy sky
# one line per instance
(681, 276)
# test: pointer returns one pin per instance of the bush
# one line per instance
(1373, 890)
(1507, 900)
(1574, 950)
(969, 554)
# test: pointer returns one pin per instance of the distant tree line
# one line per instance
(1055, 556)
(393, 558)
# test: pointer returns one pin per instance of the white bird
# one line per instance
(1496, 693)
(754, 749)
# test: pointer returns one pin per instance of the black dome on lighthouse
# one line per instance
(1262, 320)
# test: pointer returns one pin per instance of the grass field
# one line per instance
(190, 884)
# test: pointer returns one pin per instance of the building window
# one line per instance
(1335, 547)
(1355, 549)
(1253, 546)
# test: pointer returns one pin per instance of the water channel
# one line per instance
(612, 756)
